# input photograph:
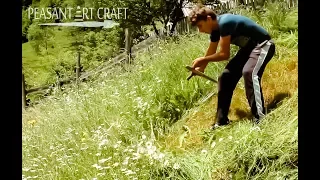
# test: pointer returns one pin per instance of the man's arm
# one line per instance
(224, 52)
(212, 48)
(210, 51)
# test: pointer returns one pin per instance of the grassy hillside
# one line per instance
(151, 123)
(59, 60)
(38, 68)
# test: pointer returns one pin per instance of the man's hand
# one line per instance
(200, 64)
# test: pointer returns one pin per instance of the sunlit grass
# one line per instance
(149, 122)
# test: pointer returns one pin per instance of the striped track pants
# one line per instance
(248, 63)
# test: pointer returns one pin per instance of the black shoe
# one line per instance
(218, 125)
(256, 120)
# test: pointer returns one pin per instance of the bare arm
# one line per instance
(210, 51)
(212, 48)
(224, 52)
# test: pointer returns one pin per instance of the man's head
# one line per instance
(204, 18)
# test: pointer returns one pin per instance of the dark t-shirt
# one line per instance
(241, 29)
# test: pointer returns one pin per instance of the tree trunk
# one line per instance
(155, 28)
(175, 16)
(241, 2)
(174, 24)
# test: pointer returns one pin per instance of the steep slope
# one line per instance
(132, 122)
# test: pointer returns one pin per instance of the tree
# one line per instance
(26, 22)
(26, 4)
(40, 37)
(176, 14)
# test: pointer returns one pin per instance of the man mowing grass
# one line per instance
(256, 50)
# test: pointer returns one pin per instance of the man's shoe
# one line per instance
(256, 120)
(217, 125)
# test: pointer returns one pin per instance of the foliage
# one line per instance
(26, 22)
(114, 127)
(40, 37)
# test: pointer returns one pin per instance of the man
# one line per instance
(256, 50)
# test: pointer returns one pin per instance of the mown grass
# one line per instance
(135, 124)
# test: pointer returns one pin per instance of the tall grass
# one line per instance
(245, 151)
(125, 104)
(112, 127)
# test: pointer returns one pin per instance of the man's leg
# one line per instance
(227, 83)
(252, 73)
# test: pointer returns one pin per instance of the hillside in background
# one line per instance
(149, 122)
(50, 53)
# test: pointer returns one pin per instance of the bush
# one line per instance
(40, 37)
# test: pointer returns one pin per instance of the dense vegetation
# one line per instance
(148, 122)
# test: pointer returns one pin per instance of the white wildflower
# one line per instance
(230, 137)
(152, 150)
(103, 142)
(155, 156)
(104, 160)
(144, 136)
(116, 146)
(96, 166)
(125, 162)
(161, 155)
(204, 151)
(166, 163)
(141, 150)
(136, 156)
(220, 139)
(123, 169)
(115, 164)
(213, 144)
(148, 145)
(98, 154)
(176, 166)
(25, 169)
(101, 174)
(84, 148)
(129, 172)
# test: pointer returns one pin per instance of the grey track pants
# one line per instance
(248, 63)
